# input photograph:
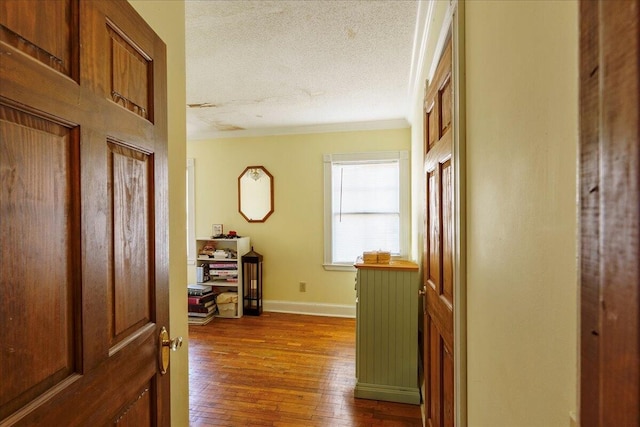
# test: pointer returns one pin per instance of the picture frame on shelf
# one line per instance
(216, 230)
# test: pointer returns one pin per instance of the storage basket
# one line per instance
(370, 257)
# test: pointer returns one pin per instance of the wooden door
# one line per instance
(610, 213)
(438, 251)
(83, 215)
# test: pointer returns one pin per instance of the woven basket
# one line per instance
(384, 257)
(376, 257)
(370, 257)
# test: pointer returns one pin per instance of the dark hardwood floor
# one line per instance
(282, 370)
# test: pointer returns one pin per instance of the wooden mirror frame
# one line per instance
(255, 183)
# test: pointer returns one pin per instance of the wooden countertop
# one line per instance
(399, 264)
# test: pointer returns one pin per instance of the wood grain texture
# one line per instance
(589, 214)
(131, 282)
(620, 212)
(446, 188)
(44, 30)
(130, 74)
(610, 213)
(439, 247)
(445, 103)
(139, 412)
(38, 289)
(431, 130)
(59, 219)
(432, 267)
(282, 370)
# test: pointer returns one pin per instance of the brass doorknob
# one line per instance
(166, 344)
(173, 344)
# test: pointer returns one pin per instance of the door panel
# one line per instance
(431, 130)
(433, 375)
(131, 72)
(433, 229)
(38, 284)
(439, 247)
(446, 191)
(44, 30)
(447, 387)
(131, 284)
(84, 215)
(445, 104)
(137, 413)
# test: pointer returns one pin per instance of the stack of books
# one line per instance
(202, 304)
(224, 271)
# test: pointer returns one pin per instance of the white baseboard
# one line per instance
(314, 309)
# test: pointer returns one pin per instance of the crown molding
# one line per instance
(423, 23)
(399, 123)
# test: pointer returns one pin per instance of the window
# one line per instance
(366, 205)
(191, 213)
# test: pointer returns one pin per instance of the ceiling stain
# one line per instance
(226, 127)
(311, 94)
(297, 63)
(202, 105)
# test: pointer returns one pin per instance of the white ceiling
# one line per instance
(272, 67)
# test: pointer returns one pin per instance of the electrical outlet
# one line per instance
(303, 286)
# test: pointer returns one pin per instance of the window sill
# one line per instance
(339, 267)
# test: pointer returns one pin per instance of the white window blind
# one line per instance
(366, 205)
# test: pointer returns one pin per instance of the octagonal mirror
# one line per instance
(255, 194)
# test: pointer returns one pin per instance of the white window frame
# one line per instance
(191, 213)
(376, 156)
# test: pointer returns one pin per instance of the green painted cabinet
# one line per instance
(387, 332)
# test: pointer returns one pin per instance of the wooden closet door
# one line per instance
(83, 215)
(438, 335)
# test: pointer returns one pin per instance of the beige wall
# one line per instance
(291, 240)
(521, 141)
(522, 133)
(522, 127)
(166, 17)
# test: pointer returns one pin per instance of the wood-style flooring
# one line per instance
(282, 370)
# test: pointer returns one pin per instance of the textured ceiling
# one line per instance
(262, 67)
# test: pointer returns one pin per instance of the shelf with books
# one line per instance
(219, 269)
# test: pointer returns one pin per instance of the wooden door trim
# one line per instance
(453, 26)
(459, 216)
(609, 375)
